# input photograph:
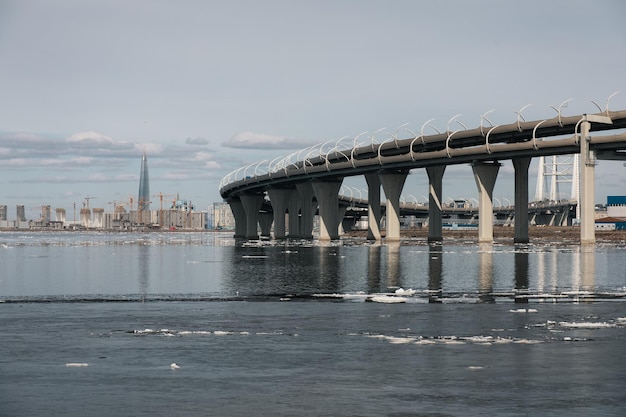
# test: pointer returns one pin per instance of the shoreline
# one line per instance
(538, 234)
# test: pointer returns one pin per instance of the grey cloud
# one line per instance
(197, 141)
(250, 140)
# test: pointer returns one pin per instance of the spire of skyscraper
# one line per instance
(143, 200)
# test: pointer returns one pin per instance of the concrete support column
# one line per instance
(279, 197)
(341, 215)
(293, 206)
(435, 181)
(252, 204)
(327, 194)
(392, 185)
(265, 221)
(307, 210)
(587, 188)
(485, 175)
(521, 199)
(373, 206)
(240, 218)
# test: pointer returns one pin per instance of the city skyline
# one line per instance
(210, 87)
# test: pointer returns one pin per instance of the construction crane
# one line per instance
(86, 203)
(161, 195)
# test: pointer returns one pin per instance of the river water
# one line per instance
(191, 324)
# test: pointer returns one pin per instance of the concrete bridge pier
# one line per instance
(293, 207)
(341, 214)
(279, 198)
(587, 188)
(392, 185)
(435, 224)
(240, 218)
(485, 175)
(265, 221)
(252, 204)
(521, 199)
(327, 194)
(304, 221)
(373, 206)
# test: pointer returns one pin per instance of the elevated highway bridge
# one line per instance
(309, 181)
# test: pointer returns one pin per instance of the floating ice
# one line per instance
(76, 364)
(524, 310)
(586, 325)
(388, 299)
(174, 366)
(401, 291)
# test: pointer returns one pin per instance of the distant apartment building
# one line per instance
(20, 213)
(221, 216)
(3, 212)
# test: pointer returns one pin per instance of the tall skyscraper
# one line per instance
(143, 200)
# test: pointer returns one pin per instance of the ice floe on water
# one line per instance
(524, 310)
(76, 364)
(560, 326)
(586, 325)
(387, 299)
(452, 340)
(181, 333)
(172, 333)
(402, 291)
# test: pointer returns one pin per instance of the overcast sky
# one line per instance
(206, 87)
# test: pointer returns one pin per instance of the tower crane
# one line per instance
(86, 203)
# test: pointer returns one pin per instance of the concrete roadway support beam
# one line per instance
(252, 204)
(373, 206)
(435, 223)
(307, 211)
(240, 218)
(327, 194)
(279, 198)
(265, 221)
(521, 199)
(485, 175)
(587, 188)
(392, 185)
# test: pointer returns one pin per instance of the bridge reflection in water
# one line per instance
(433, 273)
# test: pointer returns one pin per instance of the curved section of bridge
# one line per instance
(310, 179)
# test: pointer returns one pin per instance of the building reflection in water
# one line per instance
(435, 270)
(521, 274)
(485, 273)
(143, 278)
